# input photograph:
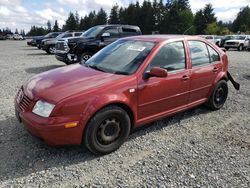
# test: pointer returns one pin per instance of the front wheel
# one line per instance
(85, 57)
(107, 130)
(240, 48)
(219, 96)
(51, 50)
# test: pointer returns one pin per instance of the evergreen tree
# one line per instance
(71, 23)
(113, 17)
(242, 21)
(56, 27)
(16, 32)
(179, 18)
(203, 18)
(77, 19)
(101, 17)
(49, 26)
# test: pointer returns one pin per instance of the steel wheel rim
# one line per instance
(85, 58)
(52, 50)
(219, 96)
(108, 131)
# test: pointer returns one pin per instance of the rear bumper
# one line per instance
(51, 130)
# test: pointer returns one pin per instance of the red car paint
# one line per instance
(79, 92)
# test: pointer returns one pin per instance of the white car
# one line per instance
(239, 42)
(17, 37)
(214, 39)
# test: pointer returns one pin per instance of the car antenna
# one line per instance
(188, 29)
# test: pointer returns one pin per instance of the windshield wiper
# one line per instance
(121, 72)
(95, 67)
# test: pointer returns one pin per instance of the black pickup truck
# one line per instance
(80, 49)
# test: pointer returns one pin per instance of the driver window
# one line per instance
(113, 32)
(171, 57)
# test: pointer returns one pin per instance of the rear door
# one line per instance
(206, 65)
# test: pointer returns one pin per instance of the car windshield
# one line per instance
(121, 57)
(49, 34)
(229, 37)
(240, 37)
(60, 36)
(92, 32)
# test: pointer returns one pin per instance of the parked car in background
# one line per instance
(18, 37)
(48, 45)
(80, 49)
(3, 36)
(226, 38)
(214, 39)
(51, 35)
(239, 42)
(129, 83)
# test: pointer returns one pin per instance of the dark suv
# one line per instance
(48, 45)
(38, 40)
(80, 49)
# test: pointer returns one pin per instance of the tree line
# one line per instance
(172, 17)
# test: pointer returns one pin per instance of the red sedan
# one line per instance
(129, 83)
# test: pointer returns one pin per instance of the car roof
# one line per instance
(161, 38)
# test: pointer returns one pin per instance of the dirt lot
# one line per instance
(197, 148)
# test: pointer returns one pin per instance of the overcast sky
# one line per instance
(22, 14)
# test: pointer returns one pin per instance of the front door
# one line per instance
(160, 96)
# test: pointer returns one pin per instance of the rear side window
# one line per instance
(67, 35)
(77, 34)
(214, 56)
(199, 53)
(171, 57)
(113, 32)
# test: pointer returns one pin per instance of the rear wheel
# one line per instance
(219, 96)
(226, 48)
(85, 56)
(107, 130)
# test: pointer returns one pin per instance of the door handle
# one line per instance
(215, 69)
(185, 77)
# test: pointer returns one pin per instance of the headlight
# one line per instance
(43, 109)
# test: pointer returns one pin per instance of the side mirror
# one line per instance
(105, 35)
(156, 72)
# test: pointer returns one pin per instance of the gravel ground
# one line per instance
(197, 148)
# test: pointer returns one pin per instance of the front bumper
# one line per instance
(231, 46)
(51, 130)
(61, 57)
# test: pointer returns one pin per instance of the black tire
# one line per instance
(85, 56)
(218, 96)
(51, 50)
(240, 48)
(227, 48)
(107, 130)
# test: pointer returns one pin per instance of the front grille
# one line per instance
(62, 46)
(22, 100)
(230, 43)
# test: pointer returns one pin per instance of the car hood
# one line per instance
(77, 39)
(64, 82)
(234, 40)
(50, 39)
(70, 39)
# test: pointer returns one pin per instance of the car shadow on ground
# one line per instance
(22, 154)
(38, 54)
(37, 70)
